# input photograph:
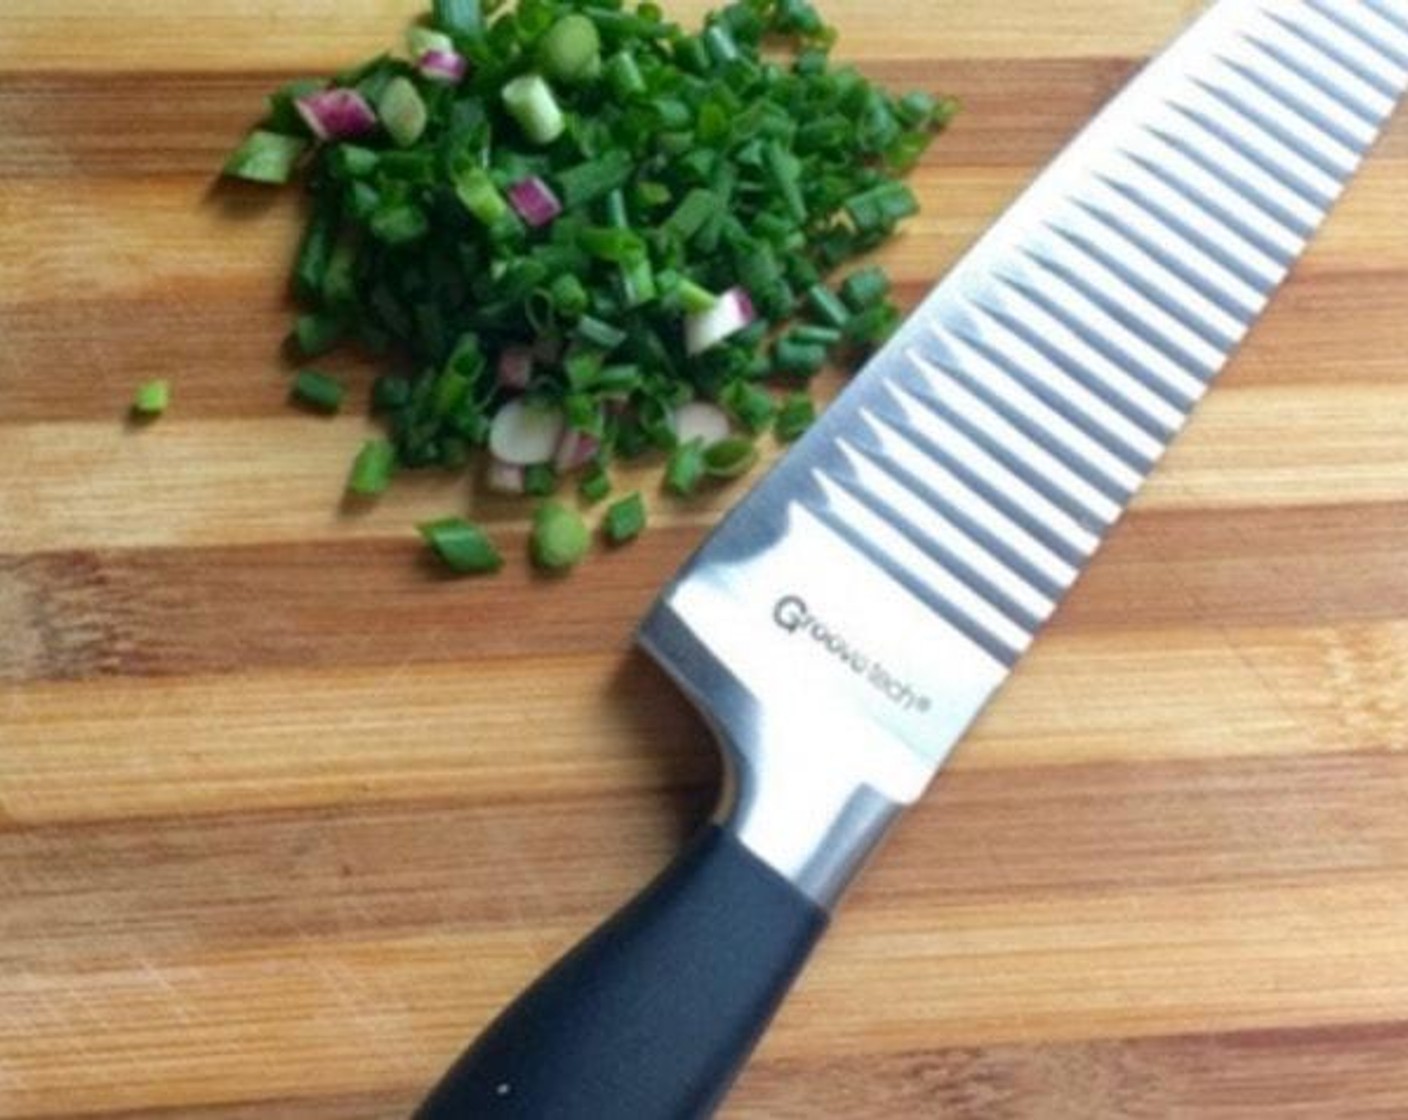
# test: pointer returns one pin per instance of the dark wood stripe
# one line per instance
(146, 124)
(1306, 1073)
(176, 889)
(1287, 1074)
(380, 602)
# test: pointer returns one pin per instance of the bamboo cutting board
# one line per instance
(284, 816)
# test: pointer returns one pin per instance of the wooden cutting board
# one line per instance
(284, 816)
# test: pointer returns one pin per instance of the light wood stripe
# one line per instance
(108, 35)
(290, 739)
(188, 482)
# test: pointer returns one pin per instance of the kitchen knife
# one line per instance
(851, 616)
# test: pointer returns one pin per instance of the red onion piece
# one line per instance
(534, 201)
(504, 478)
(731, 313)
(443, 66)
(336, 114)
(515, 367)
(575, 449)
(702, 421)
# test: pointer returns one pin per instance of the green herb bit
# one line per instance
(570, 51)
(265, 157)
(458, 17)
(693, 297)
(826, 304)
(152, 398)
(465, 548)
(623, 76)
(597, 333)
(865, 287)
(402, 112)
(730, 457)
(753, 406)
(400, 224)
(625, 519)
(530, 101)
(796, 415)
(539, 480)
(801, 359)
(685, 470)
(876, 210)
(560, 537)
(318, 332)
(318, 390)
(586, 182)
(372, 469)
(477, 192)
(419, 40)
(595, 485)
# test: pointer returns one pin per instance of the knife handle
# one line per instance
(652, 1016)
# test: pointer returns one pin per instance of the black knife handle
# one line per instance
(652, 1016)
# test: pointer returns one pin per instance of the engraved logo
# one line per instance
(792, 614)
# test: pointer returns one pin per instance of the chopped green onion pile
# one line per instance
(590, 209)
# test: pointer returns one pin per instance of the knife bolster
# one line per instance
(802, 790)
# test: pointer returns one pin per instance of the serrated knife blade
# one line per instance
(850, 617)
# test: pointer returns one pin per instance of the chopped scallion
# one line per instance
(560, 537)
(625, 519)
(463, 547)
(318, 390)
(373, 468)
(152, 398)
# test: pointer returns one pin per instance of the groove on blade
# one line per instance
(1134, 316)
(1328, 11)
(948, 441)
(1165, 290)
(1238, 175)
(869, 534)
(1332, 43)
(1138, 223)
(1080, 438)
(983, 514)
(1336, 92)
(1224, 208)
(1160, 202)
(1332, 161)
(884, 490)
(1268, 153)
(1078, 358)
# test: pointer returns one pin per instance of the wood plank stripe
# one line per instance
(127, 35)
(482, 729)
(1318, 320)
(187, 611)
(103, 486)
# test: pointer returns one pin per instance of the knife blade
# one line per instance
(851, 616)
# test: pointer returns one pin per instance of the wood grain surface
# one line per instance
(285, 816)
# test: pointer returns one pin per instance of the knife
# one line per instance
(850, 617)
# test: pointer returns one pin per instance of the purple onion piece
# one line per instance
(336, 114)
(534, 201)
